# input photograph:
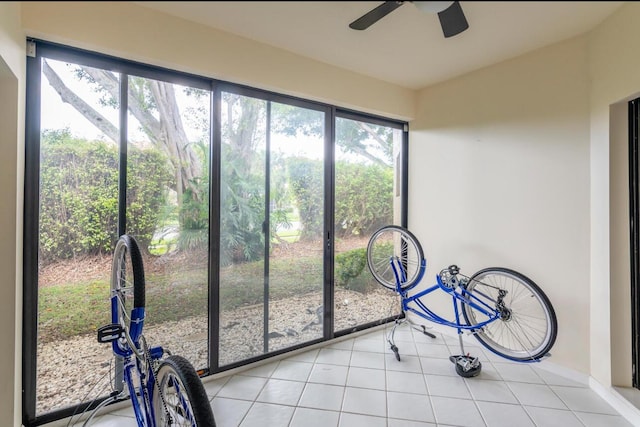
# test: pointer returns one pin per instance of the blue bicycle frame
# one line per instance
(459, 295)
(128, 362)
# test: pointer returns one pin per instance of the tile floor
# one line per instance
(358, 382)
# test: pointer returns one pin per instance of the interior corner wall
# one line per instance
(12, 72)
(614, 69)
(499, 176)
(620, 255)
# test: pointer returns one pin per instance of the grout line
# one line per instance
(610, 396)
(617, 401)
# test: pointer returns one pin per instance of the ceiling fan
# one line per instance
(452, 19)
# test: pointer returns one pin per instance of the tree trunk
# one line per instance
(166, 133)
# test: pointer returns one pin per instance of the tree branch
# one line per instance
(69, 97)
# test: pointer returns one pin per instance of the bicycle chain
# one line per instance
(150, 363)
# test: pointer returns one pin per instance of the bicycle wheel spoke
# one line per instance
(184, 399)
(526, 328)
(178, 404)
(393, 251)
(523, 339)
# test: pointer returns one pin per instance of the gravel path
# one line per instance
(78, 369)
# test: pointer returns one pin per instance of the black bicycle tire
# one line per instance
(409, 236)
(127, 244)
(193, 387)
(541, 296)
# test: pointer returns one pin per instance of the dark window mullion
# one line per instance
(329, 207)
(30, 237)
(122, 173)
(214, 227)
(404, 189)
(266, 228)
(634, 216)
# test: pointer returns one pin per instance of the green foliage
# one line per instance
(280, 210)
(369, 141)
(294, 121)
(194, 217)
(364, 198)
(79, 195)
(306, 179)
(190, 239)
(366, 140)
(349, 267)
(242, 207)
(148, 177)
(194, 209)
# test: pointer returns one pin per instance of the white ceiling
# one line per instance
(407, 46)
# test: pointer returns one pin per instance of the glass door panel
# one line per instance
(272, 184)
(77, 216)
(167, 210)
(367, 197)
(296, 205)
(242, 219)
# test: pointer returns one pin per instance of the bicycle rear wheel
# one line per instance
(527, 327)
(179, 398)
(127, 284)
(393, 243)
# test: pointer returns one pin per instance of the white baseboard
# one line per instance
(610, 395)
(570, 374)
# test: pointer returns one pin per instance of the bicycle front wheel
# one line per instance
(127, 283)
(395, 244)
(179, 398)
(527, 327)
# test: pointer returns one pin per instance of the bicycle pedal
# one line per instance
(110, 333)
(465, 362)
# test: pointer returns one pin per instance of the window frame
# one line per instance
(126, 67)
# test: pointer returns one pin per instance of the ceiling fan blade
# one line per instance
(374, 15)
(452, 20)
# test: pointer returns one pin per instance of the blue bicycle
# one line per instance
(164, 391)
(505, 310)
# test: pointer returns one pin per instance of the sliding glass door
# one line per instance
(77, 206)
(252, 210)
(112, 153)
(368, 192)
(271, 227)
(167, 210)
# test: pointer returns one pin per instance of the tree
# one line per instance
(153, 103)
(242, 195)
(374, 143)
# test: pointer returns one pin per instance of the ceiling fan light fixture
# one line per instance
(450, 15)
(432, 6)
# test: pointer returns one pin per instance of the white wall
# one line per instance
(516, 165)
(12, 70)
(499, 176)
(614, 67)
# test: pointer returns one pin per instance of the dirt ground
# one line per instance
(94, 267)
